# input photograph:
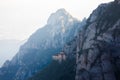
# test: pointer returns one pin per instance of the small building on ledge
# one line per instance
(59, 57)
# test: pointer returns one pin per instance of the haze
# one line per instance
(20, 18)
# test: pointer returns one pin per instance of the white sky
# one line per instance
(20, 18)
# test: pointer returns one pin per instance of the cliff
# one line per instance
(98, 51)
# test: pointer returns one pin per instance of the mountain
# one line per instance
(37, 52)
(9, 48)
(98, 51)
(57, 71)
(67, 49)
(61, 69)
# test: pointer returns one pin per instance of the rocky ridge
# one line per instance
(98, 53)
(37, 52)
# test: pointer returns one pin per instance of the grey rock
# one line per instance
(100, 51)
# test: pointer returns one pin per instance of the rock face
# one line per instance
(118, 1)
(98, 51)
(37, 52)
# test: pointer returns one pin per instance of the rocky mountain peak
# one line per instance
(61, 11)
(41, 46)
(59, 16)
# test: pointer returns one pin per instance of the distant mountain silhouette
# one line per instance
(8, 49)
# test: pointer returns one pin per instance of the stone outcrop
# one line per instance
(98, 55)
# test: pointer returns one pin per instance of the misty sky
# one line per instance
(20, 18)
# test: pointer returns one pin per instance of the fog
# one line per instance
(20, 18)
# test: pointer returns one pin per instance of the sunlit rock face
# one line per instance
(98, 55)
